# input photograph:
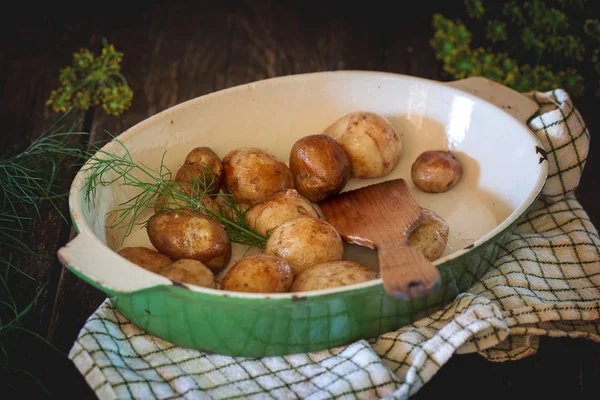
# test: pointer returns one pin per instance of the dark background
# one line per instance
(175, 51)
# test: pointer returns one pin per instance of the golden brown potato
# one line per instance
(431, 236)
(320, 166)
(267, 215)
(146, 258)
(252, 175)
(332, 274)
(259, 274)
(203, 165)
(373, 145)
(189, 234)
(436, 171)
(176, 199)
(305, 242)
(192, 272)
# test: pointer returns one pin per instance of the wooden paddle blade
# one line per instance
(381, 216)
(371, 214)
(405, 272)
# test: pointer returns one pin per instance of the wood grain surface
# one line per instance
(175, 51)
(370, 217)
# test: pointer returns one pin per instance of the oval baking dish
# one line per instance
(483, 123)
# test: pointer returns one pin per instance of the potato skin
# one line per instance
(305, 242)
(192, 272)
(189, 234)
(431, 236)
(259, 274)
(146, 258)
(281, 207)
(436, 171)
(200, 163)
(371, 142)
(174, 202)
(251, 175)
(320, 166)
(332, 274)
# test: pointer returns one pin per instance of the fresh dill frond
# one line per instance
(158, 191)
(28, 180)
(11, 320)
(237, 228)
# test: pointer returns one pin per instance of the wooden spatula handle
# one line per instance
(406, 273)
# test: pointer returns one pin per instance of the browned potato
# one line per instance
(332, 274)
(191, 271)
(204, 164)
(321, 167)
(259, 274)
(267, 215)
(175, 201)
(189, 234)
(373, 145)
(305, 242)
(431, 236)
(146, 258)
(436, 171)
(252, 175)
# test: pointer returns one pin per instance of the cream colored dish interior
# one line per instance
(501, 168)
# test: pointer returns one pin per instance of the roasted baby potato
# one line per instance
(436, 171)
(431, 236)
(203, 165)
(191, 235)
(252, 175)
(146, 258)
(332, 274)
(259, 274)
(191, 271)
(373, 145)
(320, 166)
(305, 242)
(267, 215)
(176, 200)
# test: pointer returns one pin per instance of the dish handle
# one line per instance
(87, 257)
(509, 100)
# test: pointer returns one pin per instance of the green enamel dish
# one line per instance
(482, 122)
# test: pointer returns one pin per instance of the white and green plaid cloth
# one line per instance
(546, 281)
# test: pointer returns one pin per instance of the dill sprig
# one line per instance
(28, 180)
(158, 191)
(11, 321)
(232, 215)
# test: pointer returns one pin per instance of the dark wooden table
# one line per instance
(175, 51)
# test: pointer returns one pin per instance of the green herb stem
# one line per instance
(175, 195)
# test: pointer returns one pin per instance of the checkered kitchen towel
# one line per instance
(546, 281)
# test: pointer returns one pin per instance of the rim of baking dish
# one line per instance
(75, 195)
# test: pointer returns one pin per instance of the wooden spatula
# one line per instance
(381, 216)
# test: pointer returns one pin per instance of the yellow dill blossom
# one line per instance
(539, 39)
(93, 81)
(496, 31)
(592, 28)
(116, 99)
(475, 8)
(82, 100)
(83, 59)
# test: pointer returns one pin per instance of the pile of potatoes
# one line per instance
(303, 251)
